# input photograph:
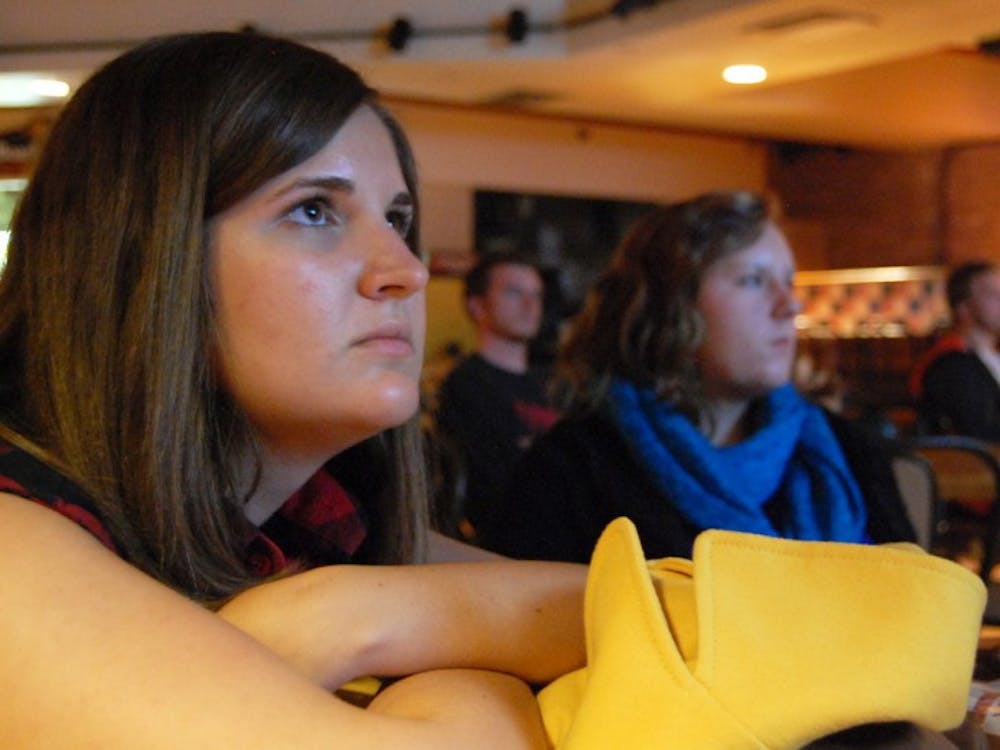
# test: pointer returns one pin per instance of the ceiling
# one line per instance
(866, 73)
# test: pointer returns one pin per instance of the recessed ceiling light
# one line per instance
(26, 90)
(743, 74)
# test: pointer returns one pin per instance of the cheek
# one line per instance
(730, 336)
(724, 353)
(717, 319)
(272, 311)
(301, 294)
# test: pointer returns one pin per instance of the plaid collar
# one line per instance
(321, 524)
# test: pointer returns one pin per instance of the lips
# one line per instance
(393, 337)
(783, 344)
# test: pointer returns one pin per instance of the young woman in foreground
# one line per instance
(213, 288)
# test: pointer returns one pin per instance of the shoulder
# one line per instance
(854, 436)
(471, 365)
(470, 372)
(957, 377)
(951, 362)
(842, 426)
(27, 477)
(580, 429)
(869, 456)
(70, 605)
(585, 443)
(868, 453)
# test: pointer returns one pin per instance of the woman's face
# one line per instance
(749, 308)
(320, 302)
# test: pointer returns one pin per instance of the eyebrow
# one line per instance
(341, 185)
(402, 200)
(337, 184)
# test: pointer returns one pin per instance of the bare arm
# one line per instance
(95, 653)
(337, 623)
(445, 549)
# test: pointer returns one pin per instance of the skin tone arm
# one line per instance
(442, 549)
(95, 653)
(523, 618)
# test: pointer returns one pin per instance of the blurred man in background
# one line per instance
(957, 384)
(493, 403)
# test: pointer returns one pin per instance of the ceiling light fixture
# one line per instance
(744, 74)
(397, 34)
(50, 87)
(27, 90)
(516, 27)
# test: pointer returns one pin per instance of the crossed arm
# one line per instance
(97, 653)
(336, 623)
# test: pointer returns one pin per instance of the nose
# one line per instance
(391, 270)
(786, 301)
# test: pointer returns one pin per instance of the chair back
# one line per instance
(967, 478)
(918, 487)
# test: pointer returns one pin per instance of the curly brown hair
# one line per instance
(639, 321)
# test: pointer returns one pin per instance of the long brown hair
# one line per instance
(639, 321)
(106, 307)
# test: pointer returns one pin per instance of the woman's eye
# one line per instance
(401, 221)
(314, 213)
(752, 280)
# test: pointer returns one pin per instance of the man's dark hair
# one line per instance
(959, 286)
(477, 280)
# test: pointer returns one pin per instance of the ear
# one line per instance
(963, 313)
(476, 308)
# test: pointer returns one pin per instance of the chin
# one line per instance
(400, 418)
(774, 385)
(758, 389)
(396, 407)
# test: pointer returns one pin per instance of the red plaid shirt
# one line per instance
(318, 525)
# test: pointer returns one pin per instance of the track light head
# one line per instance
(516, 28)
(399, 34)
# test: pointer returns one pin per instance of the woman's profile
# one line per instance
(211, 327)
(682, 415)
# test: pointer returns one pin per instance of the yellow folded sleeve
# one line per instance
(764, 643)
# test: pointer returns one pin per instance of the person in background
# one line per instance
(957, 383)
(211, 328)
(493, 404)
(680, 411)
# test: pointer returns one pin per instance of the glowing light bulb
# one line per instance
(744, 74)
(49, 87)
(25, 90)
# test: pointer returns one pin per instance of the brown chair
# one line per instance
(966, 474)
(967, 480)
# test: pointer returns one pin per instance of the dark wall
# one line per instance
(847, 208)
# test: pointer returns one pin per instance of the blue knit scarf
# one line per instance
(793, 453)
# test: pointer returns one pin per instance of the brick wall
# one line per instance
(846, 208)
(849, 209)
(972, 203)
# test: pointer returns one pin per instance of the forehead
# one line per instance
(361, 151)
(987, 282)
(514, 273)
(771, 249)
